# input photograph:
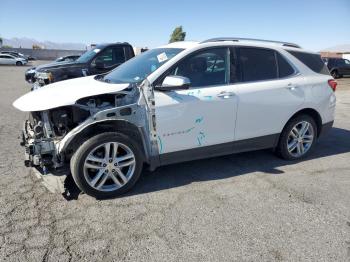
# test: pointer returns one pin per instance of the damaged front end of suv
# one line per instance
(59, 123)
(101, 128)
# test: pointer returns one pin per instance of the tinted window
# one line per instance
(257, 64)
(110, 57)
(119, 56)
(205, 68)
(312, 61)
(284, 68)
(341, 62)
(128, 52)
(105, 57)
(234, 68)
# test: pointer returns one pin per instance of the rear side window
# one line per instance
(257, 64)
(284, 68)
(119, 55)
(312, 61)
(128, 52)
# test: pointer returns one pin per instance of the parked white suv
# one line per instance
(179, 102)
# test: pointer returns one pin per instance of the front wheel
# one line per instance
(18, 63)
(297, 138)
(107, 165)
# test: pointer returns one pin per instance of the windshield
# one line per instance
(88, 55)
(138, 68)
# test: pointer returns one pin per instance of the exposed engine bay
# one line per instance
(45, 131)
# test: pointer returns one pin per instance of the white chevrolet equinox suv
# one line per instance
(179, 102)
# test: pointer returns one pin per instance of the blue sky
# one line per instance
(314, 24)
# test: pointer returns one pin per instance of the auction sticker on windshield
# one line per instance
(162, 57)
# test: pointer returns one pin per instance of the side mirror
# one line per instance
(175, 83)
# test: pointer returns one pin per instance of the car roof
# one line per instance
(8, 55)
(181, 44)
(103, 45)
(239, 42)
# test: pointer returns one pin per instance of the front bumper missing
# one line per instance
(40, 155)
(38, 151)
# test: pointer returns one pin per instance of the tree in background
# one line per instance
(36, 46)
(0, 41)
(177, 35)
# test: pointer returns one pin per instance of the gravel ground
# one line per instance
(244, 207)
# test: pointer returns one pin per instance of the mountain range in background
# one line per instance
(25, 42)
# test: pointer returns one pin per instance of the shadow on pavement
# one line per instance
(337, 141)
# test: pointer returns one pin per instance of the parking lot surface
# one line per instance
(245, 207)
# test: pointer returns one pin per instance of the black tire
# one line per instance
(335, 74)
(18, 63)
(78, 159)
(282, 148)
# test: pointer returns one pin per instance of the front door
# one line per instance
(202, 115)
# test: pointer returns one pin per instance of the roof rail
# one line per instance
(237, 39)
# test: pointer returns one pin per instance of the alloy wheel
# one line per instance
(300, 139)
(109, 166)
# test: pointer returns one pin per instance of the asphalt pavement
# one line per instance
(244, 207)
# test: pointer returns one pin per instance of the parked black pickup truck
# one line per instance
(100, 59)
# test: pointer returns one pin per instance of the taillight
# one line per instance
(332, 84)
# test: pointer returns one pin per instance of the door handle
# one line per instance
(225, 94)
(291, 86)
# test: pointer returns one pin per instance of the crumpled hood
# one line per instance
(64, 93)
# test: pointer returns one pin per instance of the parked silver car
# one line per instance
(6, 59)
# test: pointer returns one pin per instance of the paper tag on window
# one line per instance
(162, 57)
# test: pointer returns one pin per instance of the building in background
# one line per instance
(340, 51)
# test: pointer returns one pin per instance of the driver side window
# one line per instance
(110, 57)
(205, 68)
(105, 58)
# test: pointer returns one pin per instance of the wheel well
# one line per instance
(119, 126)
(312, 113)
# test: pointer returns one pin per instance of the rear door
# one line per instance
(2, 59)
(268, 91)
(7, 60)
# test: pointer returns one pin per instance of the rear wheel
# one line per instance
(297, 138)
(107, 165)
(18, 63)
(335, 74)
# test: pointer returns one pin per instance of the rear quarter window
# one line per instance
(284, 68)
(312, 61)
